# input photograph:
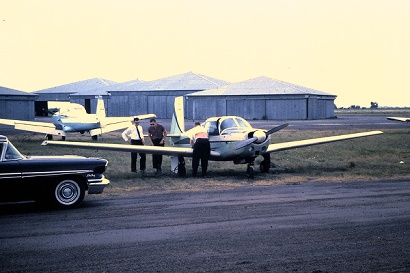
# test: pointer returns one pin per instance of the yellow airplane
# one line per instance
(231, 138)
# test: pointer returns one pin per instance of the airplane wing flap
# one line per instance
(172, 151)
(315, 141)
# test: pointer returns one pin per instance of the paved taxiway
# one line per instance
(307, 227)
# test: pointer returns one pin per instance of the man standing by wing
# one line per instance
(157, 135)
(202, 149)
(135, 134)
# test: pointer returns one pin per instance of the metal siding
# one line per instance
(286, 109)
(247, 108)
(118, 106)
(170, 106)
(205, 108)
(156, 105)
(137, 104)
(18, 109)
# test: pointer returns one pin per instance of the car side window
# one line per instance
(12, 152)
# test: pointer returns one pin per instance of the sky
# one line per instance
(358, 50)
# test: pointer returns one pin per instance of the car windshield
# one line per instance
(12, 153)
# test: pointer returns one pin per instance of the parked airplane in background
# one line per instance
(232, 138)
(399, 119)
(74, 118)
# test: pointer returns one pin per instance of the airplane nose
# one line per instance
(260, 135)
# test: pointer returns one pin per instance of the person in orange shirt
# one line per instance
(202, 149)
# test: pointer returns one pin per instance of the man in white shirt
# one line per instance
(135, 136)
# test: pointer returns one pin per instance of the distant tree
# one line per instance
(374, 105)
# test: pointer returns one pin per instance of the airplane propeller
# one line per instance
(258, 135)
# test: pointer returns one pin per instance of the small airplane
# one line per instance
(399, 119)
(74, 118)
(232, 138)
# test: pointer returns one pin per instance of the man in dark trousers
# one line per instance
(157, 135)
(202, 149)
(135, 135)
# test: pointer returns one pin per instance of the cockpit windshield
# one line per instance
(216, 126)
(234, 123)
(72, 110)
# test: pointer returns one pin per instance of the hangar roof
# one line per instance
(260, 86)
(12, 92)
(188, 81)
(77, 87)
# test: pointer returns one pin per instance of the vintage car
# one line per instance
(60, 180)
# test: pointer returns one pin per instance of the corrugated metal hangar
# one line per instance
(65, 92)
(16, 104)
(259, 98)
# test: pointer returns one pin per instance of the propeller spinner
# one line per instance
(259, 136)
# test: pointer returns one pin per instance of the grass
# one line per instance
(376, 157)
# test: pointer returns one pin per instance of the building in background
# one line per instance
(16, 104)
(260, 98)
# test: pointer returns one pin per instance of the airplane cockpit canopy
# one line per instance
(226, 125)
(72, 110)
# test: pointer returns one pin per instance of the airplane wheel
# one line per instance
(249, 172)
(49, 137)
(264, 166)
(95, 138)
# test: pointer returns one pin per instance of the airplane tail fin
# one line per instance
(100, 112)
(178, 122)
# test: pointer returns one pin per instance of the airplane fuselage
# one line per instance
(228, 138)
(76, 124)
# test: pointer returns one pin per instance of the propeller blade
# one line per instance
(245, 142)
(277, 128)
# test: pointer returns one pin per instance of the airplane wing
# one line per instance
(399, 119)
(33, 126)
(117, 123)
(315, 141)
(172, 151)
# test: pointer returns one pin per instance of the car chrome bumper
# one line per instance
(96, 186)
